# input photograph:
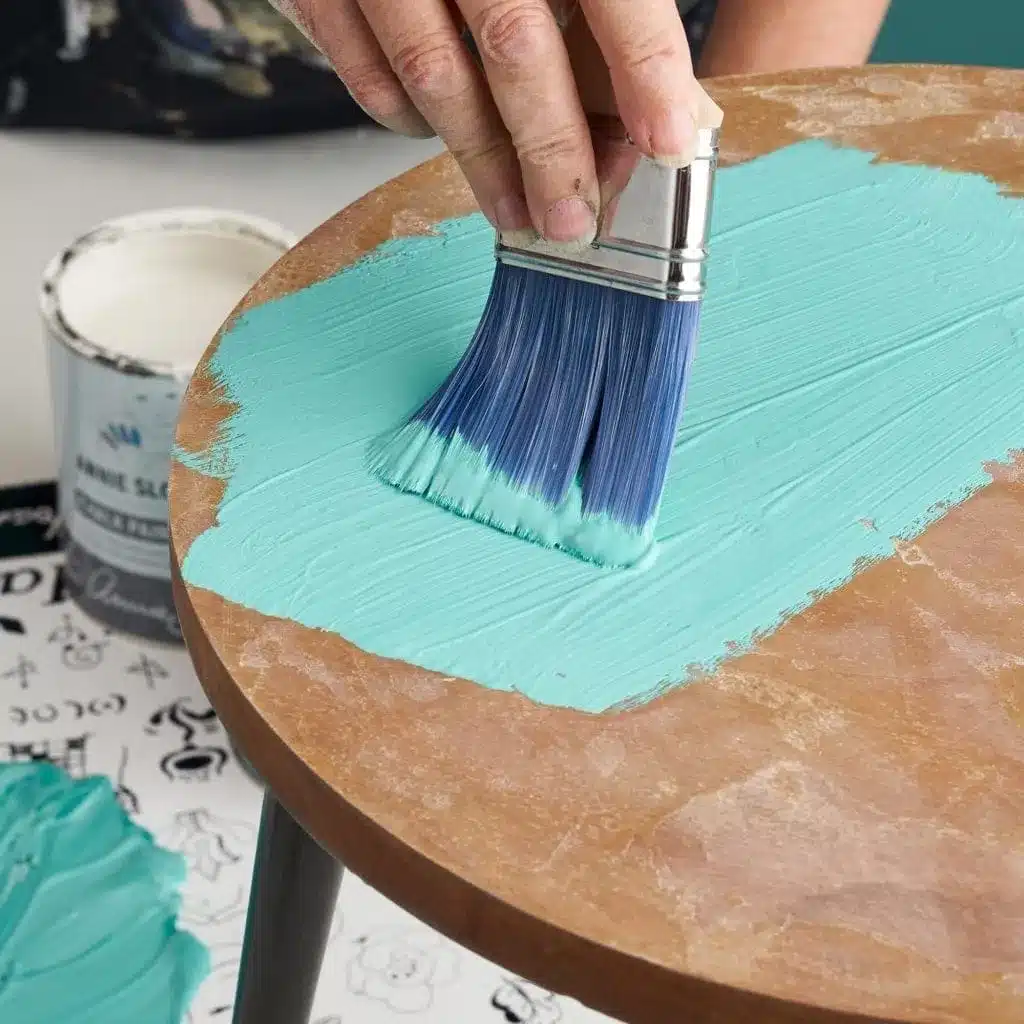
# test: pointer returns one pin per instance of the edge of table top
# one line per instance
(271, 681)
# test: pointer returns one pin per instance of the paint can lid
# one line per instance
(146, 293)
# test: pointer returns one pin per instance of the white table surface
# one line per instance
(55, 186)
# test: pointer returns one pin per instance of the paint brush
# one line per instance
(558, 423)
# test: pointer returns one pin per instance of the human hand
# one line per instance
(519, 126)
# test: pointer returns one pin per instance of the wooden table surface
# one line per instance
(940, 939)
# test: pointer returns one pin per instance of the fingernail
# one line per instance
(569, 220)
(512, 214)
(676, 143)
(616, 166)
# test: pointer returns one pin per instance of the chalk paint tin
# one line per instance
(128, 309)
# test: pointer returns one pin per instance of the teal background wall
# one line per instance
(986, 32)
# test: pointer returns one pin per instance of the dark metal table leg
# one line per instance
(294, 890)
(244, 763)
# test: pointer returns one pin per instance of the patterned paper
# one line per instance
(95, 702)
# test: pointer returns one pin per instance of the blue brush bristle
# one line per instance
(646, 369)
(558, 422)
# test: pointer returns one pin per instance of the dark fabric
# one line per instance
(697, 18)
(169, 67)
(187, 68)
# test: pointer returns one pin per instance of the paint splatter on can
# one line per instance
(129, 309)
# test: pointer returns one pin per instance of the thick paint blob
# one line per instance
(87, 908)
(861, 358)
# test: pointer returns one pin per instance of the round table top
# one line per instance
(833, 820)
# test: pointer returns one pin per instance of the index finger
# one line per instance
(661, 103)
(531, 78)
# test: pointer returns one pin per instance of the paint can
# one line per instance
(129, 309)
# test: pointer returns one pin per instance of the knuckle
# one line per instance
(374, 89)
(650, 55)
(486, 154)
(565, 145)
(428, 67)
(514, 34)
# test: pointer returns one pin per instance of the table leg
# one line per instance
(244, 763)
(294, 890)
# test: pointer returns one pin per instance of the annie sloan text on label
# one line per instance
(129, 307)
(141, 486)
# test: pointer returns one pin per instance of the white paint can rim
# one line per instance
(173, 221)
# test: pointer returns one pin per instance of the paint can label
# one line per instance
(116, 435)
(129, 307)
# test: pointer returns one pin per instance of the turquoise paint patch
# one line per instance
(215, 463)
(87, 908)
(860, 359)
(418, 461)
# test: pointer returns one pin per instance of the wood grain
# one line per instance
(828, 828)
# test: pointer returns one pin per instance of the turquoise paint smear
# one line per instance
(87, 908)
(215, 463)
(860, 359)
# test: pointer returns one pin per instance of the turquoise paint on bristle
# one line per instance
(460, 478)
(558, 422)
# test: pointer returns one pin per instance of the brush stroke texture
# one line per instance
(87, 908)
(862, 356)
(557, 424)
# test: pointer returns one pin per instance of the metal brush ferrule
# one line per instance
(651, 240)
